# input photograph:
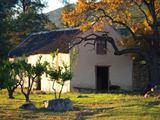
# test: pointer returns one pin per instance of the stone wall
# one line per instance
(140, 76)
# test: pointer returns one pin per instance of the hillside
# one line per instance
(54, 16)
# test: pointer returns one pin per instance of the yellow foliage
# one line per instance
(86, 26)
(128, 12)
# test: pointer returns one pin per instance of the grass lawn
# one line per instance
(88, 106)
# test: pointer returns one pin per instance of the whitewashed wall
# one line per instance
(46, 83)
(120, 70)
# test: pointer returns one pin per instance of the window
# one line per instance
(101, 47)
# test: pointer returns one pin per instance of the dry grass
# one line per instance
(87, 106)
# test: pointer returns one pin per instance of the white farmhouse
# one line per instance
(96, 68)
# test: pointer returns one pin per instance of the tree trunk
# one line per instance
(153, 68)
(10, 93)
(38, 83)
(27, 98)
(55, 92)
(61, 90)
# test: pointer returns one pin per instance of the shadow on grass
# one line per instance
(75, 108)
(152, 104)
(91, 112)
(120, 91)
(147, 105)
(80, 110)
(42, 110)
(103, 109)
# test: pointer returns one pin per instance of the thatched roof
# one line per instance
(45, 42)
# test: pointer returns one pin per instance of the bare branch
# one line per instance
(75, 44)
(118, 22)
(144, 13)
(90, 43)
(90, 37)
(151, 7)
(146, 3)
(110, 40)
(33, 80)
(136, 50)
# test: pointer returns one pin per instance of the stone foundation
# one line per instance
(140, 76)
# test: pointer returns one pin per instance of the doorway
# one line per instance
(102, 76)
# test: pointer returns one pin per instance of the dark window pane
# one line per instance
(101, 47)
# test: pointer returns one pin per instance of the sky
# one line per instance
(54, 4)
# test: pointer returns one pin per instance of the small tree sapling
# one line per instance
(28, 73)
(59, 74)
(8, 77)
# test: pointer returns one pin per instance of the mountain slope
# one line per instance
(55, 17)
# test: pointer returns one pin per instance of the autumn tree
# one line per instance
(141, 18)
(67, 8)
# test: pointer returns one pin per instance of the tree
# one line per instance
(141, 18)
(18, 19)
(59, 74)
(28, 74)
(5, 11)
(67, 8)
(8, 78)
(29, 18)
